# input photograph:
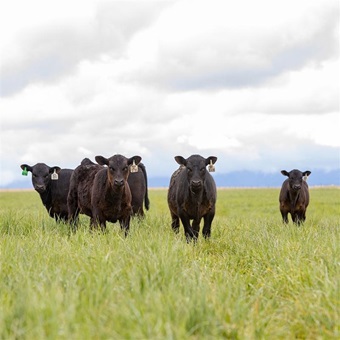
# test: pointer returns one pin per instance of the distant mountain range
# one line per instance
(239, 179)
(243, 179)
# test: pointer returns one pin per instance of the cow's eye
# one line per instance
(202, 169)
(46, 176)
(189, 170)
(112, 168)
(125, 168)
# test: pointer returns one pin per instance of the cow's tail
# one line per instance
(146, 196)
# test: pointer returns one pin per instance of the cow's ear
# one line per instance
(137, 160)
(56, 168)
(285, 173)
(181, 160)
(27, 167)
(87, 161)
(102, 160)
(306, 173)
(211, 160)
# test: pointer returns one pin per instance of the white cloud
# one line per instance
(216, 45)
(254, 83)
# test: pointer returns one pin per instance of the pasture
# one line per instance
(255, 278)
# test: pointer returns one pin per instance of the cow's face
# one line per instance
(295, 178)
(41, 175)
(117, 168)
(196, 170)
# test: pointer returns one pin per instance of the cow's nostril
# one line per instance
(119, 183)
(39, 188)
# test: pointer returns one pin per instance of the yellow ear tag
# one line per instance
(133, 167)
(211, 167)
(54, 176)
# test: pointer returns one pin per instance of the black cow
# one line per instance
(53, 193)
(138, 183)
(192, 195)
(102, 192)
(294, 196)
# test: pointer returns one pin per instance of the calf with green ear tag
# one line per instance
(52, 184)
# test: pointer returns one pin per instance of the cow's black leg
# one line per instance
(102, 225)
(208, 218)
(301, 217)
(284, 216)
(73, 210)
(175, 223)
(74, 220)
(62, 217)
(196, 227)
(188, 231)
(93, 223)
(295, 218)
(125, 225)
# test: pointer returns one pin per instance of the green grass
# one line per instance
(254, 279)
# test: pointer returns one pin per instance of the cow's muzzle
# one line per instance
(296, 187)
(40, 188)
(195, 186)
(118, 182)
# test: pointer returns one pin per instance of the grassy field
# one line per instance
(254, 279)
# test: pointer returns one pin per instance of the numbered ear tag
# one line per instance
(211, 167)
(133, 167)
(305, 178)
(54, 176)
(24, 172)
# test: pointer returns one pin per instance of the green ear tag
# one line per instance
(24, 172)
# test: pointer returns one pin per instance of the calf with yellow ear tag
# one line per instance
(294, 196)
(192, 195)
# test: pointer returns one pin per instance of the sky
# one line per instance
(255, 83)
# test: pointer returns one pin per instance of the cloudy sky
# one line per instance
(255, 83)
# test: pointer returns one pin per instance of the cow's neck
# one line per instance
(112, 193)
(196, 196)
(46, 197)
(196, 201)
(293, 198)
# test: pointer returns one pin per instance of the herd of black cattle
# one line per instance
(115, 188)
